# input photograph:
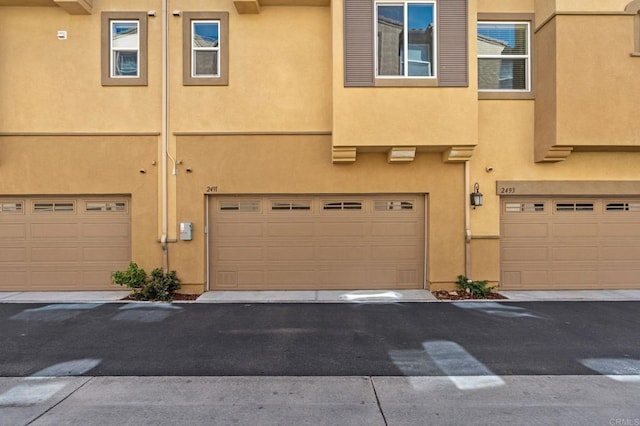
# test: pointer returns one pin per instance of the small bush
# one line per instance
(134, 277)
(478, 289)
(160, 286)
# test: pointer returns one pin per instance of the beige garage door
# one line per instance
(50, 243)
(316, 242)
(570, 243)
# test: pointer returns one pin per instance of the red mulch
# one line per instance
(177, 296)
(461, 295)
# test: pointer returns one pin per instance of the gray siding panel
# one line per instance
(453, 38)
(358, 43)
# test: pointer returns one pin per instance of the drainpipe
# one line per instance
(165, 136)
(467, 220)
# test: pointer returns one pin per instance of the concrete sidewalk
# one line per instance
(358, 296)
(366, 401)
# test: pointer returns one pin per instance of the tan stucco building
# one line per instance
(257, 144)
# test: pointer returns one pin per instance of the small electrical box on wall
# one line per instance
(186, 231)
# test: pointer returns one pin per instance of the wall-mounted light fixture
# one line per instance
(476, 196)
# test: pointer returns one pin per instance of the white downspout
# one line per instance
(165, 136)
(467, 220)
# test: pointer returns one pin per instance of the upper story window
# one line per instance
(124, 48)
(406, 38)
(406, 43)
(504, 58)
(206, 48)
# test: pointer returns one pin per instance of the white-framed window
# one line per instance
(405, 39)
(125, 48)
(504, 56)
(205, 49)
(205, 44)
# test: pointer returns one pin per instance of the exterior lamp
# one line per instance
(476, 196)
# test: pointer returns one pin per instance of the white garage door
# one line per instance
(316, 242)
(563, 243)
(52, 243)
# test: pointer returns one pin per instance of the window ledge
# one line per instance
(497, 95)
(406, 82)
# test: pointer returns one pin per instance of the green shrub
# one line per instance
(134, 277)
(160, 286)
(478, 289)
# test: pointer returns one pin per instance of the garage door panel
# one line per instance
(575, 230)
(575, 277)
(290, 253)
(292, 278)
(525, 253)
(13, 230)
(618, 277)
(63, 279)
(241, 229)
(341, 229)
(564, 253)
(14, 279)
(111, 230)
(105, 254)
(10, 254)
(588, 249)
(55, 230)
(396, 229)
(528, 230)
(395, 252)
(339, 253)
(239, 254)
(55, 254)
(318, 242)
(621, 253)
(290, 229)
(627, 230)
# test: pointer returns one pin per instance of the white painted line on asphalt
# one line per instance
(371, 296)
(619, 369)
(54, 312)
(465, 371)
(30, 393)
(497, 309)
(70, 368)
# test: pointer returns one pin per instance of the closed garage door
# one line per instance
(316, 242)
(51, 243)
(570, 243)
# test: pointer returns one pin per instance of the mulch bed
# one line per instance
(461, 295)
(176, 297)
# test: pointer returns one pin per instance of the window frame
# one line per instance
(188, 78)
(510, 18)
(107, 77)
(452, 53)
(434, 48)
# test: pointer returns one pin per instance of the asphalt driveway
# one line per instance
(403, 339)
